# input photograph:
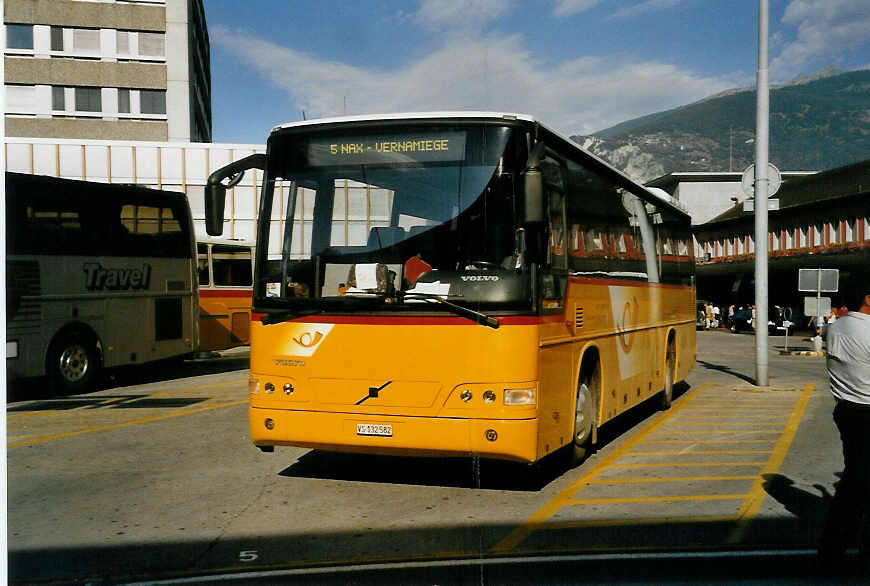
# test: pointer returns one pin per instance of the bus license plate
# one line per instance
(376, 429)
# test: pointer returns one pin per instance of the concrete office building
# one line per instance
(706, 195)
(107, 70)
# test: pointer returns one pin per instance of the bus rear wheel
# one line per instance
(667, 394)
(588, 388)
(73, 362)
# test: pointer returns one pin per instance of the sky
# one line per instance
(577, 65)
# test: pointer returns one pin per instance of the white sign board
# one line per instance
(821, 280)
(817, 306)
(774, 180)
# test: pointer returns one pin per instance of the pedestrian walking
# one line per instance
(848, 365)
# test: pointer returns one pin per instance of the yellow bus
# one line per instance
(456, 284)
(97, 276)
(226, 274)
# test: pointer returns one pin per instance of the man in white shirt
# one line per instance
(848, 365)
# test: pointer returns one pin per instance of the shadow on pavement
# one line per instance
(124, 376)
(675, 551)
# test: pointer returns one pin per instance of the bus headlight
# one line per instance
(519, 396)
(270, 388)
(253, 386)
(489, 396)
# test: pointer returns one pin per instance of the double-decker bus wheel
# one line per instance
(73, 362)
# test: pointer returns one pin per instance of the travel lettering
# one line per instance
(98, 278)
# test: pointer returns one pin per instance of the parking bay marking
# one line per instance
(542, 519)
(143, 420)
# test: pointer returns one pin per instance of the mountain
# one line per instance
(816, 122)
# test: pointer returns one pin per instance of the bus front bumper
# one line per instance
(507, 439)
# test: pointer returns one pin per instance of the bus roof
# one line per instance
(626, 181)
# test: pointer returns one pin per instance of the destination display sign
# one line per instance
(381, 149)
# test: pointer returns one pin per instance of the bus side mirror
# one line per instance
(215, 199)
(216, 189)
(533, 209)
(533, 206)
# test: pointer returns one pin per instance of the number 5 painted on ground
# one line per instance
(248, 556)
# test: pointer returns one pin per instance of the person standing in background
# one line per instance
(848, 364)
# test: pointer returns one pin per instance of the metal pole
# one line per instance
(761, 189)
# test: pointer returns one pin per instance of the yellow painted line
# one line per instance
(688, 464)
(710, 441)
(720, 429)
(752, 504)
(556, 525)
(101, 403)
(55, 436)
(542, 515)
(697, 452)
(657, 499)
(75, 410)
(641, 480)
(729, 417)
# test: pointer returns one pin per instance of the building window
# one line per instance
(152, 101)
(19, 36)
(151, 44)
(851, 230)
(803, 242)
(834, 229)
(741, 245)
(57, 38)
(789, 238)
(818, 235)
(774, 240)
(752, 245)
(88, 99)
(86, 40)
(58, 98)
(124, 101)
(20, 99)
(867, 228)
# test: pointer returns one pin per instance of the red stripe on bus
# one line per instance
(225, 293)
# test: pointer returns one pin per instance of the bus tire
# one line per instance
(73, 362)
(588, 389)
(666, 397)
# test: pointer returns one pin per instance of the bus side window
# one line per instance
(202, 264)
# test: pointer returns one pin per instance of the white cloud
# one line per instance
(577, 96)
(826, 31)
(645, 7)
(566, 8)
(460, 14)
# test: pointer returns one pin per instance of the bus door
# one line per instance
(556, 372)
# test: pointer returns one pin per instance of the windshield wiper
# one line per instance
(474, 316)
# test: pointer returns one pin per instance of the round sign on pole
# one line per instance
(774, 180)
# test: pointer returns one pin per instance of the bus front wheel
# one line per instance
(73, 362)
(584, 412)
(667, 394)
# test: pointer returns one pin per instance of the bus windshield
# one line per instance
(390, 216)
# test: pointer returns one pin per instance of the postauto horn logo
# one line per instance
(304, 339)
